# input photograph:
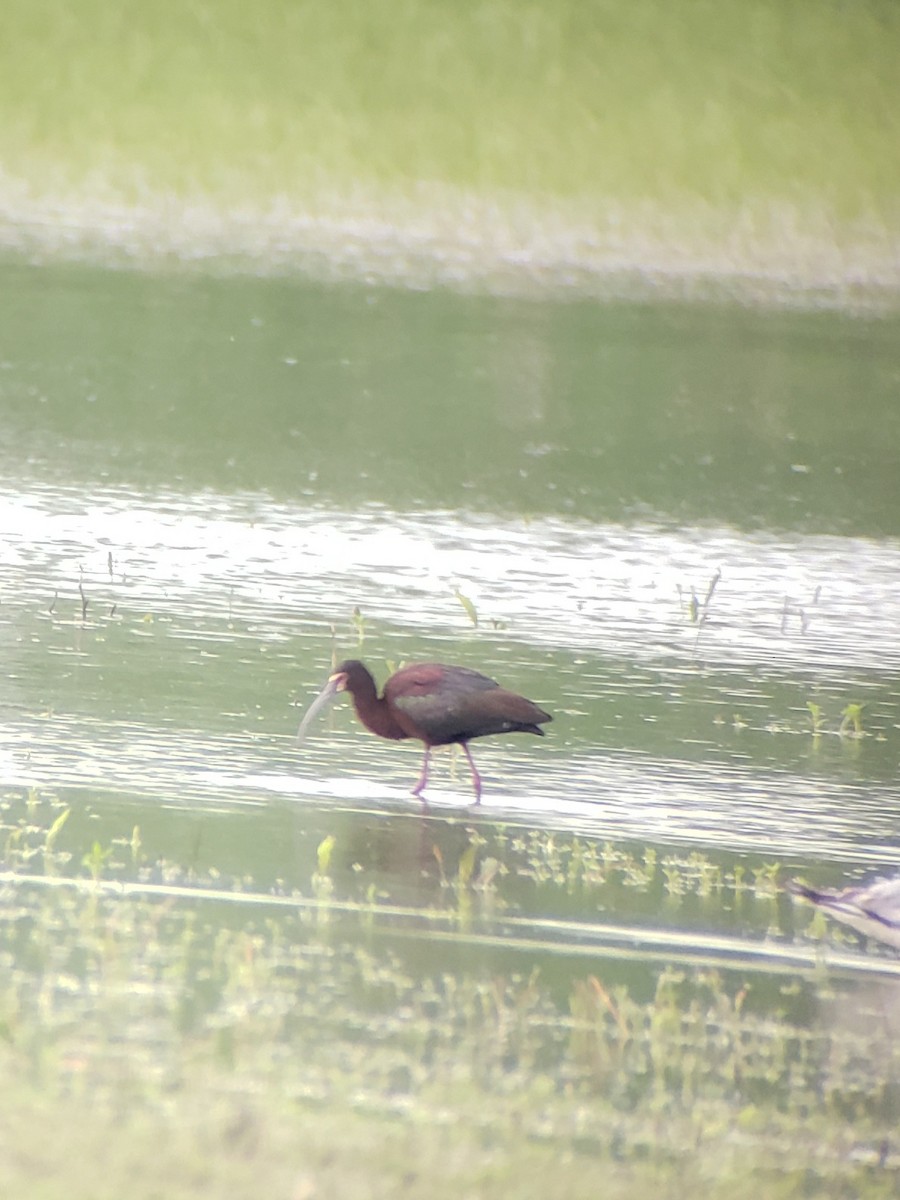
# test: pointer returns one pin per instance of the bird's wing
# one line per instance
(435, 678)
(452, 716)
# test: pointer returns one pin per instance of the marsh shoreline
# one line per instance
(507, 245)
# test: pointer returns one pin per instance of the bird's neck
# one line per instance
(374, 713)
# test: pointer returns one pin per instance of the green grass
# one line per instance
(188, 1043)
(218, 1145)
(740, 124)
(154, 1049)
(638, 102)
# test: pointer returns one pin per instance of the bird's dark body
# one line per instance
(441, 705)
(438, 705)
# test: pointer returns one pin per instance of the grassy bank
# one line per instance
(164, 1033)
(640, 103)
(730, 137)
(187, 1048)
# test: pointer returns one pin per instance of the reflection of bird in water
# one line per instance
(873, 909)
(439, 705)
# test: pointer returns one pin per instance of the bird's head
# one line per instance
(345, 677)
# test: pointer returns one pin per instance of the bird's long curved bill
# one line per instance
(331, 689)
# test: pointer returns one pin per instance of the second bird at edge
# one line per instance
(437, 704)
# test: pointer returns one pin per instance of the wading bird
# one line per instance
(873, 909)
(439, 705)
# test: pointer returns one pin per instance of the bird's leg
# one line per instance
(476, 778)
(423, 778)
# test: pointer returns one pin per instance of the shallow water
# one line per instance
(678, 530)
(203, 479)
(666, 728)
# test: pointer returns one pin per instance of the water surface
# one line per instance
(677, 529)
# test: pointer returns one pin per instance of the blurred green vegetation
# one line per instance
(182, 1034)
(780, 112)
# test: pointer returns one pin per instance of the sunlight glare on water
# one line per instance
(832, 602)
(605, 608)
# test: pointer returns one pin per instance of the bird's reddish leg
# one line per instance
(423, 778)
(476, 778)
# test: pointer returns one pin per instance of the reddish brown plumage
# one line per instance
(437, 704)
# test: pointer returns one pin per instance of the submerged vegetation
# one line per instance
(302, 1043)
